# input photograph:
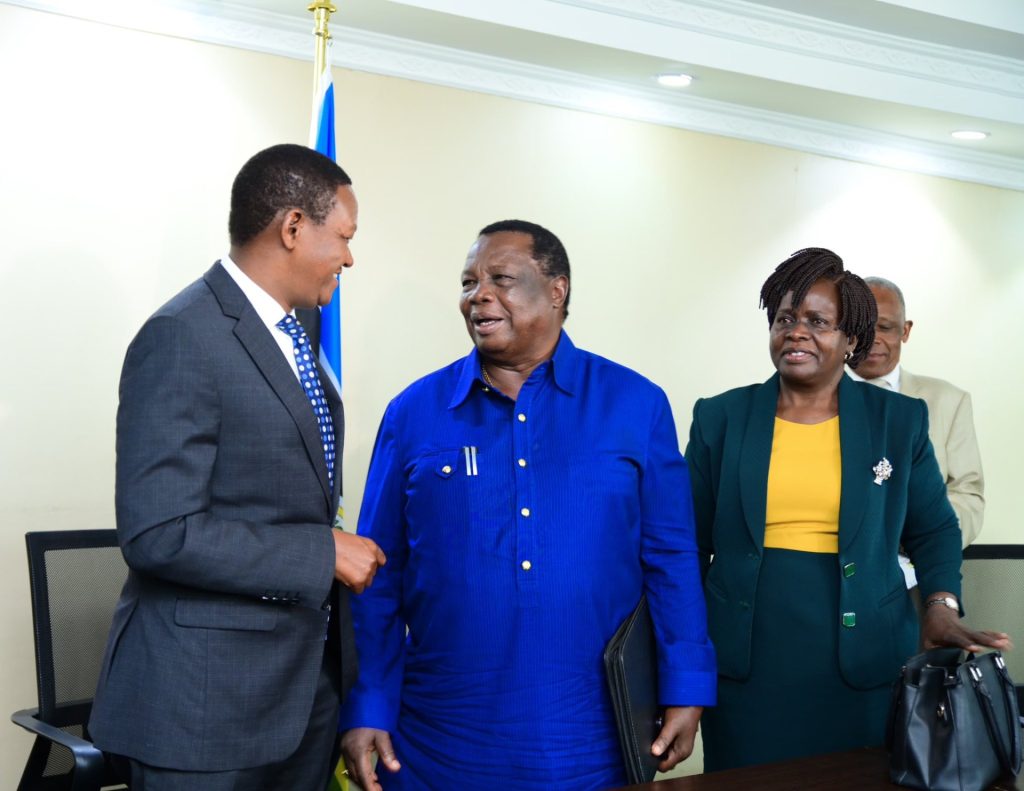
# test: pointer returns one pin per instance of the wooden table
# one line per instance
(857, 770)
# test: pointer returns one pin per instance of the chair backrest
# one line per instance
(993, 593)
(76, 578)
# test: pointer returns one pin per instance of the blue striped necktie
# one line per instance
(306, 363)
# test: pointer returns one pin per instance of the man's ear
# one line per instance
(559, 291)
(291, 225)
(907, 326)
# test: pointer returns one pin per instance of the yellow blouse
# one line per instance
(804, 485)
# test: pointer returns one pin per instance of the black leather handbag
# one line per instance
(953, 722)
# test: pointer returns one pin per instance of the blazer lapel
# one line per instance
(908, 384)
(756, 456)
(253, 334)
(857, 453)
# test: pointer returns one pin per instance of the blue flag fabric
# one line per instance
(321, 137)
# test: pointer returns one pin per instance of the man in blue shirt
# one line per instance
(526, 497)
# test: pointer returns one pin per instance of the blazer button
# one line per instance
(849, 619)
(849, 570)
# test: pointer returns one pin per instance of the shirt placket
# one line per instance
(526, 507)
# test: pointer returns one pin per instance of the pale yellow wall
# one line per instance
(117, 157)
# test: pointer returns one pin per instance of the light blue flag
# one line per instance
(321, 138)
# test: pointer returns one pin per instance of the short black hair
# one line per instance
(286, 176)
(857, 309)
(546, 248)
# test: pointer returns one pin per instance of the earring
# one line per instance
(847, 356)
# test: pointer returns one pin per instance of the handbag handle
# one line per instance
(1010, 702)
(985, 698)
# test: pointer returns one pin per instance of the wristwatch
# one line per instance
(949, 601)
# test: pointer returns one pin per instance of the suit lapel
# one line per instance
(908, 384)
(755, 457)
(857, 453)
(253, 334)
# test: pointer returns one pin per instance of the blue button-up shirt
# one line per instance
(519, 535)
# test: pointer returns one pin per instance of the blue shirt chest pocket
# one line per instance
(456, 493)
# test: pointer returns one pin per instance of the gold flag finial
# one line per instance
(322, 10)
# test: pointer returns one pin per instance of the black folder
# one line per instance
(631, 663)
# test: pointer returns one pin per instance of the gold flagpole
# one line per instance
(322, 10)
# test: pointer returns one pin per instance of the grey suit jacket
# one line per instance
(951, 430)
(224, 516)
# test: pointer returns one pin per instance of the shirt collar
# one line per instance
(565, 368)
(566, 365)
(266, 307)
(892, 378)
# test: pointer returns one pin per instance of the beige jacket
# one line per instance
(951, 430)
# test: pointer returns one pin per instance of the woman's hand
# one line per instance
(941, 627)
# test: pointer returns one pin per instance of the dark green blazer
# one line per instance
(728, 454)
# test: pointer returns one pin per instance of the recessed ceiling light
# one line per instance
(676, 80)
(969, 134)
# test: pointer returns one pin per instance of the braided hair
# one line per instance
(857, 309)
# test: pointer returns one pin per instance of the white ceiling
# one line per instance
(880, 81)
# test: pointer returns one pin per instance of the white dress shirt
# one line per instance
(890, 381)
(266, 307)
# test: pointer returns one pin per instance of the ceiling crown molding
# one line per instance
(512, 79)
(799, 34)
(237, 26)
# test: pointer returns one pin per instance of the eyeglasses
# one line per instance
(818, 325)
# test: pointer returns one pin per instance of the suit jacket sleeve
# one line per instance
(169, 424)
(930, 533)
(965, 483)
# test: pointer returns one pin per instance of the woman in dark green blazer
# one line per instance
(808, 641)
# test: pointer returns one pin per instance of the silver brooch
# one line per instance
(882, 471)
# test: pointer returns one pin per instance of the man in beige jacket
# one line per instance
(950, 418)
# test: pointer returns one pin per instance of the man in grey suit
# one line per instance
(231, 646)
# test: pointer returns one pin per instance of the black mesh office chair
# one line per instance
(76, 577)
(993, 591)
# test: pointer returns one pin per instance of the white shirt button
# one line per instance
(527, 565)
(522, 462)
(522, 417)
(524, 511)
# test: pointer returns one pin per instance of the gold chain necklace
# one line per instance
(483, 370)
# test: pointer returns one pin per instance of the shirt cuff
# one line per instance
(695, 688)
(365, 708)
